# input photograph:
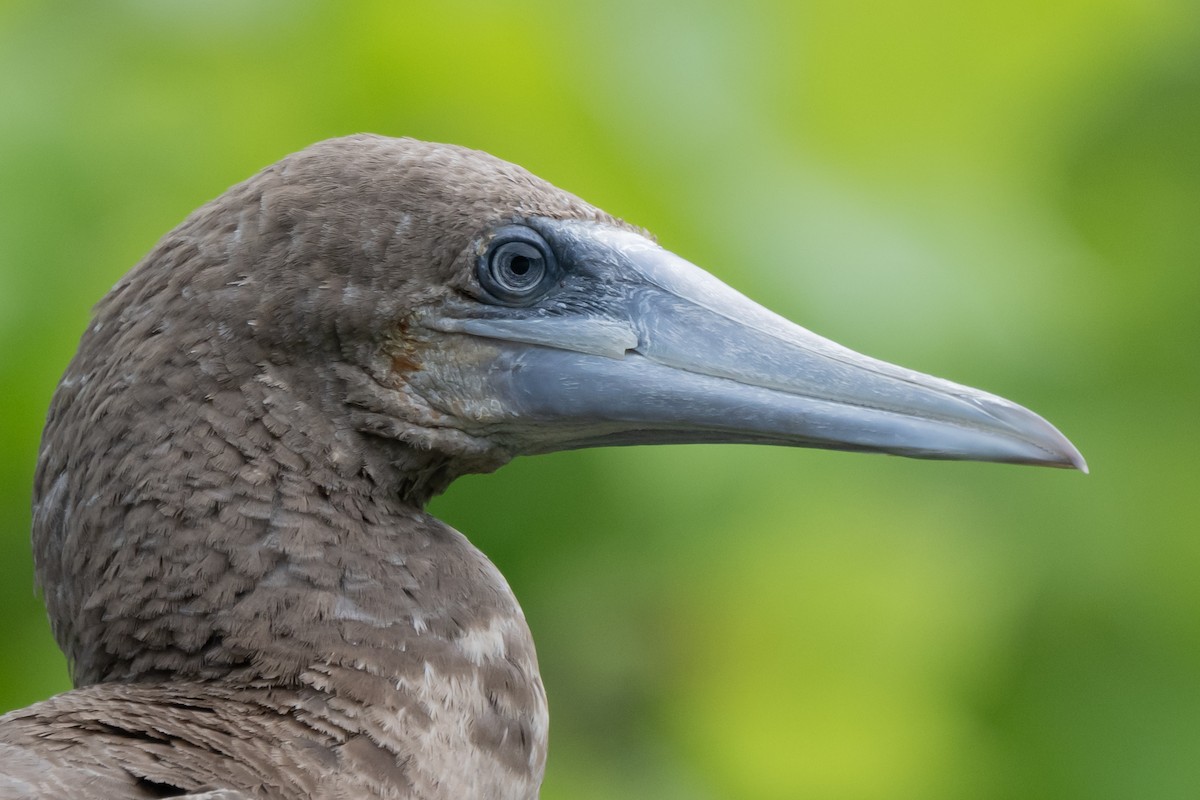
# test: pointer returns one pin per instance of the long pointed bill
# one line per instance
(638, 346)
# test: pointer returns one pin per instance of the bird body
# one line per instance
(229, 522)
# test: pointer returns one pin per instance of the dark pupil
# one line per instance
(519, 265)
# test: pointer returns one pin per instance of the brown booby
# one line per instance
(229, 522)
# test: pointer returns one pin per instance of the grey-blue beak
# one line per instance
(634, 345)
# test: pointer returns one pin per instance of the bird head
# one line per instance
(454, 306)
(483, 313)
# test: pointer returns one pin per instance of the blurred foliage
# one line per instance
(1004, 194)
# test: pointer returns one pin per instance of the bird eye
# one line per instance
(518, 267)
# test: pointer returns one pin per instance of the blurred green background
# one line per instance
(1007, 195)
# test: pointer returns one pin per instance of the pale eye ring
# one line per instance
(517, 267)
